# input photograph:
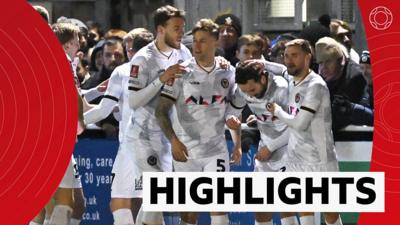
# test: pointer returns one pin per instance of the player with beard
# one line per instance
(145, 148)
(256, 89)
(310, 147)
(201, 98)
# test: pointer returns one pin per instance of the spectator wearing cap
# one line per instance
(365, 64)
(230, 29)
(345, 82)
(341, 32)
(314, 32)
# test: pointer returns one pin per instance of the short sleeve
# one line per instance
(312, 99)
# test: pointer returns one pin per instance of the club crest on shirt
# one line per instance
(297, 98)
(152, 160)
(134, 71)
(225, 83)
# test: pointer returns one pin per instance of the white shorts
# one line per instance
(331, 166)
(153, 217)
(269, 166)
(71, 178)
(217, 163)
(123, 171)
(150, 155)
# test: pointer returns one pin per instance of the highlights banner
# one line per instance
(38, 108)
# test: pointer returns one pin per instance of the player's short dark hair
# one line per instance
(140, 38)
(246, 72)
(303, 44)
(207, 25)
(112, 41)
(65, 31)
(251, 39)
(164, 13)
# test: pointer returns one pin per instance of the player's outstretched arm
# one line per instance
(100, 111)
(81, 123)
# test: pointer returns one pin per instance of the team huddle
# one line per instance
(175, 105)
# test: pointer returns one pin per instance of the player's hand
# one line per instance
(174, 71)
(80, 55)
(233, 123)
(115, 109)
(263, 154)
(179, 151)
(222, 62)
(271, 107)
(341, 105)
(81, 127)
(102, 87)
(86, 105)
(251, 121)
(258, 62)
(236, 155)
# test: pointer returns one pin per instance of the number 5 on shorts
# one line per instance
(221, 165)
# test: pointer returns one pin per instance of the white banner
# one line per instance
(264, 192)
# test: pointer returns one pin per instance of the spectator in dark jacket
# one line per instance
(346, 84)
(112, 55)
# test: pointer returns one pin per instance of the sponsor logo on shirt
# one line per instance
(134, 71)
(200, 100)
(194, 82)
